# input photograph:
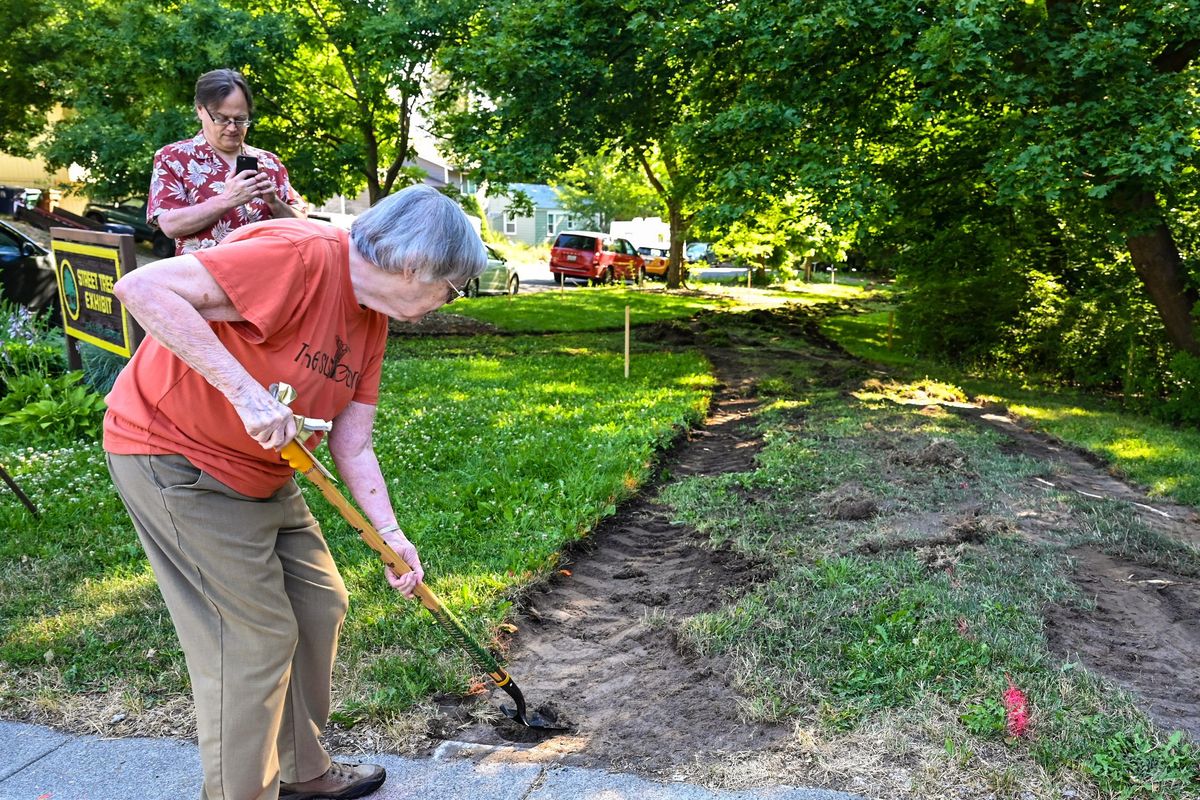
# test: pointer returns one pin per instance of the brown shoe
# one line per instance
(340, 782)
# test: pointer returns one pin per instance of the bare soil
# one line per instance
(1144, 632)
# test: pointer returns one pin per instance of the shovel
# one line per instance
(300, 459)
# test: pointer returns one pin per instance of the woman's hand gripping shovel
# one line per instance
(301, 460)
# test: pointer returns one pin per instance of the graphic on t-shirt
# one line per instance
(330, 366)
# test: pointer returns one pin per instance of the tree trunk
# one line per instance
(678, 231)
(1157, 262)
(678, 223)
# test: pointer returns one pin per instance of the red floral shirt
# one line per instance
(189, 172)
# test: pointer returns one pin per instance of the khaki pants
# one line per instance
(258, 605)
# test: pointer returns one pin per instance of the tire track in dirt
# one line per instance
(1144, 632)
(1144, 635)
(595, 645)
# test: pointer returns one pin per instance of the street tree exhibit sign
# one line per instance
(87, 264)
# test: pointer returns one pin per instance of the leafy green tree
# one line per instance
(537, 87)
(122, 73)
(1083, 109)
(336, 84)
(604, 188)
(341, 100)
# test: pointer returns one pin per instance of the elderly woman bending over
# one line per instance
(191, 436)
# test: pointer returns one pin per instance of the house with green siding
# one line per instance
(549, 216)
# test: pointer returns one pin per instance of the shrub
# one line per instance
(40, 411)
(1183, 387)
(28, 345)
(100, 367)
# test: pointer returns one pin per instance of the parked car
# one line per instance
(703, 253)
(596, 257)
(497, 278)
(133, 213)
(658, 262)
(26, 272)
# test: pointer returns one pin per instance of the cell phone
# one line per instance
(244, 163)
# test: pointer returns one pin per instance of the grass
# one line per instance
(887, 618)
(603, 308)
(496, 457)
(878, 635)
(586, 309)
(500, 450)
(1161, 457)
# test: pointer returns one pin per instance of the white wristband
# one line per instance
(388, 529)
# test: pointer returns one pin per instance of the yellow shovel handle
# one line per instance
(300, 459)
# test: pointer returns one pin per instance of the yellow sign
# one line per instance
(91, 312)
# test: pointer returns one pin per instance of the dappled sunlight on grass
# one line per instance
(604, 308)
(1141, 449)
(1052, 412)
(90, 604)
(1155, 454)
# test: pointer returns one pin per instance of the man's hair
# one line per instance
(213, 87)
(422, 230)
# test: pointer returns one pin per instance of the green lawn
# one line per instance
(603, 308)
(586, 309)
(1162, 457)
(498, 452)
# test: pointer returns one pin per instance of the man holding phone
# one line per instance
(204, 187)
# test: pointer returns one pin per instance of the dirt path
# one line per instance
(594, 648)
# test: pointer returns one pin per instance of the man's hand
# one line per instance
(406, 583)
(246, 186)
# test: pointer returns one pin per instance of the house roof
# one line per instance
(543, 196)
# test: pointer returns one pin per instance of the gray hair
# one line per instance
(420, 229)
(213, 87)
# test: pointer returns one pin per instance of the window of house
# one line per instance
(510, 224)
(554, 221)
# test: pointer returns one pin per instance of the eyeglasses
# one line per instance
(455, 293)
(223, 121)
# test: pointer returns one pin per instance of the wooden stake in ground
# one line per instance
(626, 341)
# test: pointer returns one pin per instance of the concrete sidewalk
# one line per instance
(38, 763)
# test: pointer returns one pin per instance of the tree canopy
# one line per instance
(1027, 169)
(336, 83)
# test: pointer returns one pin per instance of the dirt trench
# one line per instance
(1144, 632)
(595, 647)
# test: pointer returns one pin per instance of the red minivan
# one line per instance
(596, 257)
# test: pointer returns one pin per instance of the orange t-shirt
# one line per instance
(290, 281)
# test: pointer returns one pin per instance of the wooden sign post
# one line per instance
(87, 264)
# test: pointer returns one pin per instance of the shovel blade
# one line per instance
(532, 719)
(522, 714)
